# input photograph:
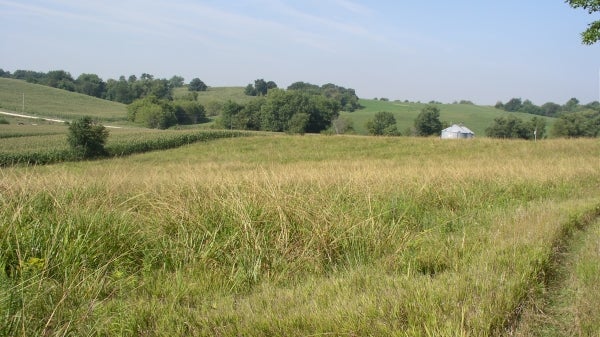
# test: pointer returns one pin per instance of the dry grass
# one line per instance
(286, 235)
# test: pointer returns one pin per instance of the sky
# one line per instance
(479, 50)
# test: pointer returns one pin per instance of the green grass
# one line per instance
(50, 102)
(218, 94)
(569, 304)
(290, 235)
(477, 118)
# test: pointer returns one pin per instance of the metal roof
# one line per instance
(455, 128)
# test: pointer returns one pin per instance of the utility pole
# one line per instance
(23, 106)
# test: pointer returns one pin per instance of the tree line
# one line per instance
(573, 119)
(292, 111)
(124, 90)
(549, 109)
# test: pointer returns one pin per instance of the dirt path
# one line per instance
(46, 119)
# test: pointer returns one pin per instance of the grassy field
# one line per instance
(569, 307)
(45, 101)
(291, 235)
(213, 98)
(475, 117)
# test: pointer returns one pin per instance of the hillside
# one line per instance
(50, 102)
(45, 101)
(216, 94)
(475, 117)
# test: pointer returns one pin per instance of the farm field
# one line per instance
(292, 235)
(50, 102)
(46, 144)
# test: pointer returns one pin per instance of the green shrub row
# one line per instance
(117, 149)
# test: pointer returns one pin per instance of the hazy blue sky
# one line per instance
(479, 50)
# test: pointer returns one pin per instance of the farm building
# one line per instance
(457, 132)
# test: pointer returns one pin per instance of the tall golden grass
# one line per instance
(290, 235)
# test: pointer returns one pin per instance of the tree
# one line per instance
(261, 87)
(60, 79)
(345, 97)
(383, 124)
(538, 125)
(298, 123)
(229, 113)
(342, 125)
(577, 124)
(176, 81)
(249, 90)
(90, 84)
(189, 112)
(152, 112)
(197, 85)
(571, 105)
(592, 34)
(551, 109)
(513, 105)
(428, 121)
(87, 137)
(514, 127)
(119, 91)
(530, 108)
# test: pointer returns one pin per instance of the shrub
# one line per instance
(383, 124)
(87, 137)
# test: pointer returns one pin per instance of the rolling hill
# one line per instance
(475, 117)
(51, 102)
(45, 101)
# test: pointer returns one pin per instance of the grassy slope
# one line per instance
(45, 101)
(476, 118)
(218, 94)
(285, 235)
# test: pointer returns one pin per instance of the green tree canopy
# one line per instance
(260, 87)
(383, 124)
(592, 34)
(152, 112)
(60, 79)
(87, 137)
(514, 127)
(428, 121)
(197, 85)
(90, 84)
(577, 124)
(346, 97)
(176, 81)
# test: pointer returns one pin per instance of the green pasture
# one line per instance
(216, 94)
(44, 101)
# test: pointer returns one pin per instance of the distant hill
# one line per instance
(45, 101)
(475, 117)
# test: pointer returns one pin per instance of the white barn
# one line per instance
(457, 132)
